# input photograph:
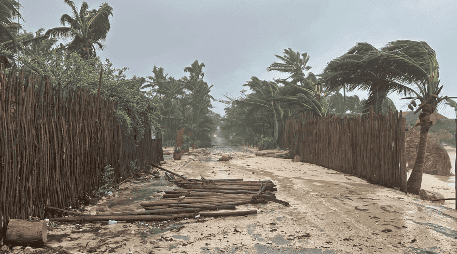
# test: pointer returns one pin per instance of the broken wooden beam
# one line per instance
(171, 172)
(125, 217)
(153, 217)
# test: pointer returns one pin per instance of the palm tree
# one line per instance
(307, 92)
(200, 99)
(169, 88)
(266, 96)
(195, 70)
(403, 60)
(365, 67)
(428, 95)
(87, 28)
(8, 9)
(10, 40)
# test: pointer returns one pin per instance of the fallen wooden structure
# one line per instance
(215, 192)
(195, 198)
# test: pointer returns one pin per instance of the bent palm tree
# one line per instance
(266, 95)
(307, 93)
(429, 98)
(86, 27)
(367, 68)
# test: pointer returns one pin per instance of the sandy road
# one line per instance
(329, 211)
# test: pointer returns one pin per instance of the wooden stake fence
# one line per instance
(371, 147)
(53, 148)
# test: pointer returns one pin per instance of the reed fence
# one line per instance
(53, 148)
(371, 147)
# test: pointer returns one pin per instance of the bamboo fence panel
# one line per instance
(53, 147)
(371, 146)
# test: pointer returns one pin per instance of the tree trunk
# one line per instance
(415, 180)
(23, 232)
(276, 125)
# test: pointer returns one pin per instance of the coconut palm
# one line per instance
(169, 88)
(307, 93)
(428, 95)
(266, 96)
(10, 40)
(200, 99)
(87, 28)
(378, 71)
(8, 9)
(195, 70)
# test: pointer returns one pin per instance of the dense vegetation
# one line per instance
(77, 65)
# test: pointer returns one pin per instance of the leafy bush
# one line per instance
(267, 143)
(133, 166)
(107, 181)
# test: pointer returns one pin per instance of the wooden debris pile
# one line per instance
(195, 198)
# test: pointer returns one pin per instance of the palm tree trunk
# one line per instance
(276, 125)
(415, 180)
(344, 99)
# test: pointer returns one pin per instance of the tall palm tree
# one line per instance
(169, 88)
(87, 28)
(378, 71)
(266, 95)
(195, 70)
(200, 99)
(293, 63)
(10, 40)
(306, 92)
(428, 95)
(8, 9)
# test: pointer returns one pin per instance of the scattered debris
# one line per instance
(297, 158)
(432, 196)
(225, 157)
(194, 199)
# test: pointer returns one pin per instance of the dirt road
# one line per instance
(329, 213)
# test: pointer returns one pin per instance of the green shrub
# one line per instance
(107, 182)
(267, 143)
(133, 166)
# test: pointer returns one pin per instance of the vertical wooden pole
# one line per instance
(402, 146)
(455, 166)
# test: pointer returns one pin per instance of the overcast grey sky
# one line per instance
(239, 39)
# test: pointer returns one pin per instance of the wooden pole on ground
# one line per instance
(169, 171)
(23, 232)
